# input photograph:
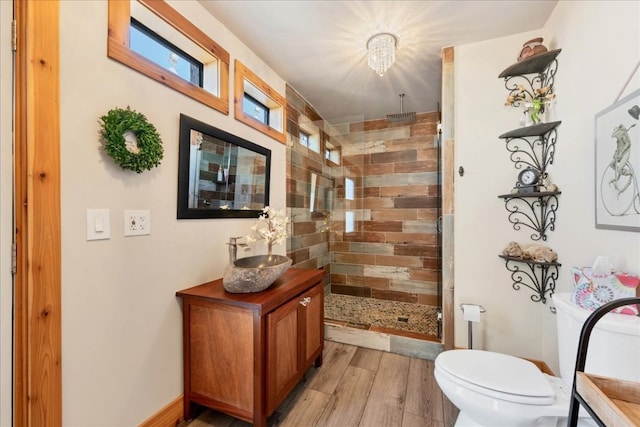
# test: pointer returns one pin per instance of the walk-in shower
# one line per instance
(364, 198)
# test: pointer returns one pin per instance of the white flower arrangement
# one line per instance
(276, 227)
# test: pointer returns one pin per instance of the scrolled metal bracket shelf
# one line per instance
(541, 213)
(544, 67)
(533, 146)
(540, 277)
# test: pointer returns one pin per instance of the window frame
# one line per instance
(118, 50)
(277, 104)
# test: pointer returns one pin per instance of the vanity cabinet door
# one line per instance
(313, 315)
(283, 352)
(295, 339)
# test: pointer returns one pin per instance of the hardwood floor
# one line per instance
(358, 387)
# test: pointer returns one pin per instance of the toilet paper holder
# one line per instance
(482, 310)
(470, 323)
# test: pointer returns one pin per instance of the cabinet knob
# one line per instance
(305, 301)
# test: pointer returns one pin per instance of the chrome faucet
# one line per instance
(233, 248)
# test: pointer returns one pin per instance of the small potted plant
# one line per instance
(534, 102)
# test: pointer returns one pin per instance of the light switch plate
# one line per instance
(137, 222)
(98, 226)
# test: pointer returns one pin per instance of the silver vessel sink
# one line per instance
(254, 273)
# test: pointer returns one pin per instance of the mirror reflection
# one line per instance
(220, 175)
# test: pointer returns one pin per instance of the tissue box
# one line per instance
(593, 290)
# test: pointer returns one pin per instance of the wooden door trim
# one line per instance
(37, 305)
(20, 373)
(448, 200)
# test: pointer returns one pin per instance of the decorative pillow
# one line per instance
(593, 290)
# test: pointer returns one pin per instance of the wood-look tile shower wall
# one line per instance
(393, 252)
(308, 242)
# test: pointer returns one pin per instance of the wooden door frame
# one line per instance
(448, 199)
(37, 376)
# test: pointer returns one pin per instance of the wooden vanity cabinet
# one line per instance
(244, 353)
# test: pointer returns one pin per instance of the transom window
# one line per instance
(257, 104)
(331, 153)
(156, 40)
(309, 135)
(349, 189)
(152, 46)
(255, 109)
(349, 222)
(304, 139)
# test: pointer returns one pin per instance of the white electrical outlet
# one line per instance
(137, 223)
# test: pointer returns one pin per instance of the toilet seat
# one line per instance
(497, 375)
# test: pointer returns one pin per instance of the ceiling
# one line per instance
(319, 47)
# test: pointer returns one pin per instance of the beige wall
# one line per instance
(601, 46)
(5, 214)
(481, 226)
(600, 42)
(121, 329)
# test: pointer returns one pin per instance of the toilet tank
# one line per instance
(614, 346)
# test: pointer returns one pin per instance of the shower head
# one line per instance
(402, 117)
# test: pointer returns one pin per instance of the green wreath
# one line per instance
(131, 140)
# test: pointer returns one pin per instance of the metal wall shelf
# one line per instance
(540, 277)
(532, 146)
(538, 129)
(539, 214)
(536, 151)
(530, 74)
(533, 65)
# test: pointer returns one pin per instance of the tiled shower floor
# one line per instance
(381, 315)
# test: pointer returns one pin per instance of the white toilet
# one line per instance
(493, 389)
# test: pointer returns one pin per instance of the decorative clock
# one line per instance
(528, 181)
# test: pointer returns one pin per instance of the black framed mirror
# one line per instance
(220, 175)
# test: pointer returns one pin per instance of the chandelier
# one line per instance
(381, 50)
